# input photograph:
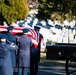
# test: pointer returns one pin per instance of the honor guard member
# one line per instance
(35, 53)
(25, 43)
(12, 39)
(5, 58)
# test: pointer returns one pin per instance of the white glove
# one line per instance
(12, 45)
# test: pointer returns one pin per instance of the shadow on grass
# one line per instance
(50, 62)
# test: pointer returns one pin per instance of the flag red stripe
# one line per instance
(31, 34)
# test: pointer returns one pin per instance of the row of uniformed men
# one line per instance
(8, 45)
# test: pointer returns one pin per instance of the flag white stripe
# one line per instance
(19, 29)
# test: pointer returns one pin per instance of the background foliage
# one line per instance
(12, 10)
(57, 9)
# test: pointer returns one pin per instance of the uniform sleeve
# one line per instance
(31, 43)
(42, 39)
(12, 46)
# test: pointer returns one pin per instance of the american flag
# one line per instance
(32, 33)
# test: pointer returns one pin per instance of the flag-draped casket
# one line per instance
(32, 33)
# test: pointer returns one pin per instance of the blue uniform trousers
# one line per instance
(22, 71)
